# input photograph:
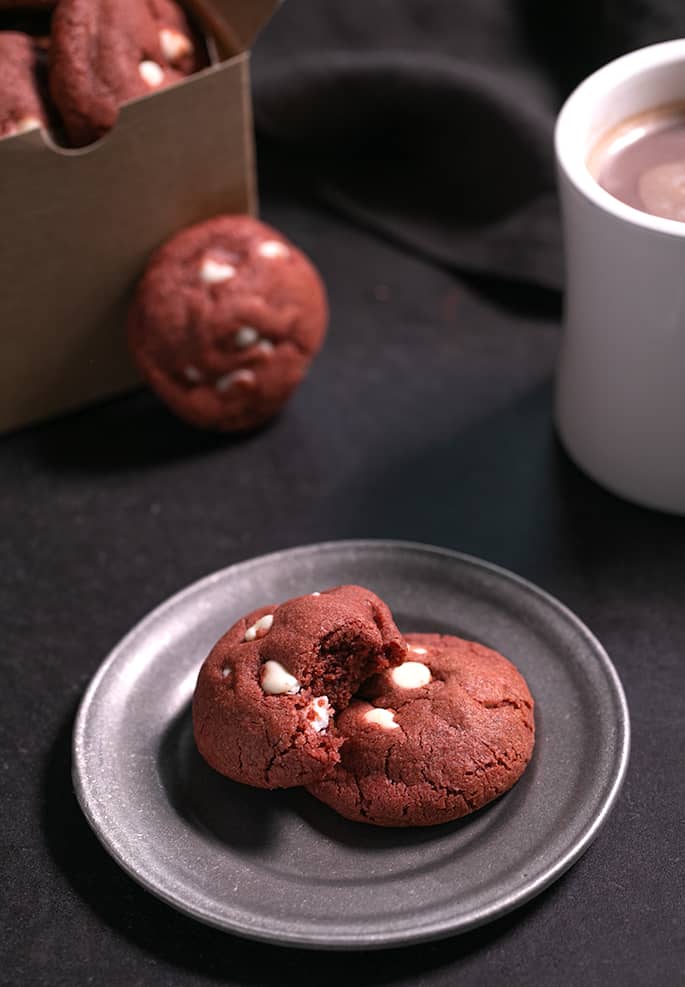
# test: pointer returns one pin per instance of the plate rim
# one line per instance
(439, 928)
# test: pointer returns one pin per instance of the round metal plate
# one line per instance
(280, 866)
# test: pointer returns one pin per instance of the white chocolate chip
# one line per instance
(318, 713)
(418, 651)
(215, 271)
(225, 672)
(382, 718)
(193, 374)
(316, 594)
(266, 346)
(151, 73)
(226, 382)
(411, 675)
(259, 628)
(272, 248)
(246, 336)
(174, 44)
(276, 681)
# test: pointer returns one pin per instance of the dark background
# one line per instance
(407, 147)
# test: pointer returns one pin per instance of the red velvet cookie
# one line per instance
(21, 108)
(105, 52)
(433, 739)
(226, 321)
(268, 693)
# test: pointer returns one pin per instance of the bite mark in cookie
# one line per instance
(271, 721)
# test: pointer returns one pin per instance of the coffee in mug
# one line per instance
(642, 161)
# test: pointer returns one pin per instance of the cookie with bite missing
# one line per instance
(106, 52)
(226, 321)
(269, 693)
(21, 108)
(432, 739)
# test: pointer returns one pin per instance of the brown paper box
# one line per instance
(79, 225)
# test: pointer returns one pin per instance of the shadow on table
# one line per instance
(187, 945)
(131, 432)
(516, 298)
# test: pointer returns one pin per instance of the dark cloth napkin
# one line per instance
(432, 121)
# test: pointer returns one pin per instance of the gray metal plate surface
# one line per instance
(280, 866)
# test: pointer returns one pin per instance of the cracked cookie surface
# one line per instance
(267, 695)
(433, 739)
(226, 321)
(106, 52)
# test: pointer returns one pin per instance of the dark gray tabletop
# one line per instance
(427, 417)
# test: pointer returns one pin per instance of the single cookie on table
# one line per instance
(226, 321)
(432, 739)
(106, 52)
(21, 108)
(268, 693)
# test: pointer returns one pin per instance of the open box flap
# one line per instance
(234, 23)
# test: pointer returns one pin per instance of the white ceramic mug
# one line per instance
(620, 403)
